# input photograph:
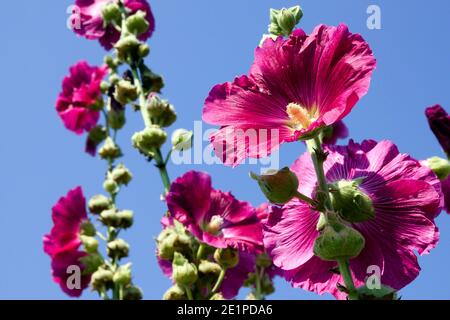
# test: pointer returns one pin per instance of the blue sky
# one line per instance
(197, 44)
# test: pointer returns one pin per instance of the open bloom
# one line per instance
(294, 87)
(446, 192)
(439, 122)
(80, 92)
(405, 196)
(62, 244)
(89, 23)
(214, 217)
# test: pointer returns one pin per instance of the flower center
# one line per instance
(214, 225)
(300, 117)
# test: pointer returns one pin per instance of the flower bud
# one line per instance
(279, 187)
(217, 296)
(88, 229)
(132, 293)
(114, 79)
(118, 249)
(127, 46)
(184, 273)
(137, 24)
(101, 279)
(97, 105)
(111, 62)
(151, 82)
(111, 186)
(116, 119)
(90, 243)
(263, 260)
(121, 175)
(352, 203)
(109, 150)
(383, 293)
(283, 22)
(97, 135)
(338, 241)
(125, 218)
(227, 258)
(441, 167)
(182, 139)
(169, 242)
(208, 267)
(91, 262)
(111, 13)
(175, 293)
(161, 112)
(104, 87)
(110, 218)
(149, 139)
(144, 50)
(126, 92)
(122, 276)
(99, 203)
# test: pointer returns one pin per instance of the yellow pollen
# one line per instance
(301, 118)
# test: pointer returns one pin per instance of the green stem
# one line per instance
(307, 199)
(219, 280)
(161, 165)
(200, 251)
(318, 158)
(344, 269)
(259, 276)
(188, 292)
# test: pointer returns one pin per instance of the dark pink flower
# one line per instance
(80, 91)
(294, 87)
(439, 122)
(446, 192)
(62, 244)
(406, 197)
(214, 217)
(93, 27)
(336, 132)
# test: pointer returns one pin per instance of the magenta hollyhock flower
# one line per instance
(295, 86)
(446, 192)
(93, 27)
(214, 217)
(406, 197)
(62, 244)
(80, 91)
(439, 122)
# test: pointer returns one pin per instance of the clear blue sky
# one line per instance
(197, 44)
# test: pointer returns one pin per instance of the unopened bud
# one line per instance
(175, 293)
(208, 267)
(161, 111)
(183, 272)
(111, 186)
(283, 22)
(132, 293)
(99, 203)
(109, 150)
(88, 229)
(90, 243)
(149, 139)
(227, 258)
(123, 275)
(441, 167)
(217, 296)
(169, 242)
(116, 119)
(111, 13)
(121, 175)
(279, 187)
(137, 24)
(101, 279)
(118, 249)
(127, 46)
(126, 92)
(125, 218)
(182, 139)
(144, 50)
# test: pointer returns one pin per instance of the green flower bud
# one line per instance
(352, 203)
(102, 279)
(97, 135)
(149, 139)
(217, 296)
(116, 119)
(126, 92)
(251, 296)
(121, 175)
(111, 186)
(98, 105)
(110, 218)
(90, 243)
(132, 293)
(151, 82)
(109, 150)
(384, 293)
(111, 62)
(137, 24)
(337, 242)
(127, 46)
(91, 262)
(441, 167)
(208, 267)
(175, 293)
(125, 218)
(144, 50)
(283, 22)
(123, 275)
(161, 112)
(227, 258)
(88, 229)
(169, 242)
(118, 249)
(184, 273)
(263, 260)
(182, 139)
(279, 187)
(114, 79)
(111, 13)
(99, 203)
(104, 87)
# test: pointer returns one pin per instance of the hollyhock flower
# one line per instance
(337, 132)
(295, 86)
(93, 27)
(214, 217)
(62, 244)
(405, 196)
(446, 192)
(439, 122)
(80, 91)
